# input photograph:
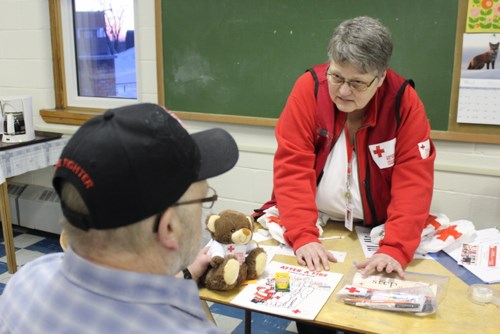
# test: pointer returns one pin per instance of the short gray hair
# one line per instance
(362, 42)
(133, 238)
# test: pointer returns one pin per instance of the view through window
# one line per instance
(105, 48)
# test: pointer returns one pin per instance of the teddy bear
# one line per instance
(235, 257)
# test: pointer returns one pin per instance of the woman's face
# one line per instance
(349, 89)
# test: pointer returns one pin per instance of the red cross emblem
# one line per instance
(296, 311)
(448, 232)
(379, 151)
(352, 289)
(230, 249)
(431, 220)
(422, 147)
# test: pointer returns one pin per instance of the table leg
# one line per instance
(8, 236)
(248, 322)
(208, 313)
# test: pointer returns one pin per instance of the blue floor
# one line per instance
(31, 244)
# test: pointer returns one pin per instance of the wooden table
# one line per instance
(455, 314)
(15, 161)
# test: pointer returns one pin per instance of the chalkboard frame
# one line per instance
(454, 131)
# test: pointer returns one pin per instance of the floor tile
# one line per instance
(4, 277)
(227, 324)
(25, 240)
(46, 246)
(24, 256)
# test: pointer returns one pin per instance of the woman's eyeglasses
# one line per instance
(356, 85)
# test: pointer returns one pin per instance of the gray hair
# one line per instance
(362, 42)
(133, 238)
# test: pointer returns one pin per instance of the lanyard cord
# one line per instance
(350, 152)
(349, 149)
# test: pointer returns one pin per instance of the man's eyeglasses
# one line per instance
(356, 85)
(206, 202)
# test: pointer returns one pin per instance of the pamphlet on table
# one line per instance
(289, 291)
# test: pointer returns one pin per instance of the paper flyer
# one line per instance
(480, 256)
(309, 291)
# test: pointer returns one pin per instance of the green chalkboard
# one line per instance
(241, 57)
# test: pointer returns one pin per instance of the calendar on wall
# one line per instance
(479, 102)
(479, 91)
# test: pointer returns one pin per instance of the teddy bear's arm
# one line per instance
(251, 246)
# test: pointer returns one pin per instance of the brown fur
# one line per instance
(227, 224)
(486, 58)
(213, 278)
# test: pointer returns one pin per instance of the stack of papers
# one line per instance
(480, 255)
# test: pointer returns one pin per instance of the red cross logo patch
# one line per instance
(383, 153)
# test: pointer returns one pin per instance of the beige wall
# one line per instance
(467, 175)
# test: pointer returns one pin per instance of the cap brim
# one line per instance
(218, 152)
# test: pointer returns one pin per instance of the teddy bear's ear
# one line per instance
(211, 222)
(250, 220)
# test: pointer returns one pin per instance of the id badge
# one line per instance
(348, 219)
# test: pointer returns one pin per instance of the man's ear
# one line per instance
(167, 230)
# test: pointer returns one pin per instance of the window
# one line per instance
(93, 43)
(99, 52)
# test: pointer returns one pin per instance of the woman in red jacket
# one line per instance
(354, 145)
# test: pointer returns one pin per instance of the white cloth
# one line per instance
(240, 251)
(437, 234)
(270, 220)
(20, 160)
(457, 232)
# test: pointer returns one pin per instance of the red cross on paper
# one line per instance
(296, 311)
(448, 232)
(352, 289)
(378, 151)
(230, 248)
(422, 147)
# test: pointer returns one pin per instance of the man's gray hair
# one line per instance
(132, 238)
(362, 42)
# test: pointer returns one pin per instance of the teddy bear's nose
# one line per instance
(246, 231)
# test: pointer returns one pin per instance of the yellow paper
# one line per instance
(483, 16)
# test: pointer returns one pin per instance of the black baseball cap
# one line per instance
(133, 162)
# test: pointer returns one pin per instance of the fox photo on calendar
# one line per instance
(480, 55)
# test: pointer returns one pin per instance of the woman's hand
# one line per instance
(379, 263)
(314, 256)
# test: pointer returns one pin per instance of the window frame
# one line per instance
(65, 111)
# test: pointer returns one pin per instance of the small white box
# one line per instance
(40, 209)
